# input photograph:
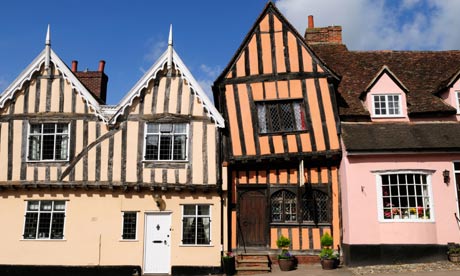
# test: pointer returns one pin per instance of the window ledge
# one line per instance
(47, 163)
(408, 221)
(196, 245)
(44, 240)
(128, 240)
(165, 164)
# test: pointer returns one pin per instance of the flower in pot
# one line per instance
(329, 258)
(453, 253)
(285, 260)
(228, 260)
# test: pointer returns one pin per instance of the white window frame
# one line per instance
(457, 102)
(386, 95)
(123, 224)
(380, 208)
(196, 216)
(456, 184)
(29, 134)
(38, 220)
(187, 136)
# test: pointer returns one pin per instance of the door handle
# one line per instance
(157, 241)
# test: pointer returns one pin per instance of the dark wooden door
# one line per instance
(253, 218)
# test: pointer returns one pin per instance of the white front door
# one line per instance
(157, 243)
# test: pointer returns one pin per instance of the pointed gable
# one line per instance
(169, 58)
(272, 46)
(36, 65)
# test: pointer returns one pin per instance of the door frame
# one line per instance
(263, 189)
(147, 213)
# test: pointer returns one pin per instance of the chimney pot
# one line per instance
(74, 66)
(311, 22)
(101, 66)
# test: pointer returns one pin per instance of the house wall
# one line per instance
(359, 188)
(93, 228)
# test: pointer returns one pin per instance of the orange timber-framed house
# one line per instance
(281, 149)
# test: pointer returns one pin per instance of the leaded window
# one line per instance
(45, 220)
(316, 207)
(387, 105)
(129, 225)
(405, 196)
(196, 224)
(48, 142)
(166, 142)
(282, 116)
(283, 206)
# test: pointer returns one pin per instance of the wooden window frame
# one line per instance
(268, 128)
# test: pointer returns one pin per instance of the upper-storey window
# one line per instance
(387, 105)
(282, 116)
(48, 142)
(166, 142)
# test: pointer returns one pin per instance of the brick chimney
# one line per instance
(94, 81)
(330, 34)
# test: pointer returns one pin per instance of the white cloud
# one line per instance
(211, 72)
(155, 47)
(206, 85)
(382, 24)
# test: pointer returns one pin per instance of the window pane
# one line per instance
(151, 148)
(179, 147)
(188, 231)
(30, 226)
(59, 205)
(32, 205)
(49, 128)
(61, 147)
(180, 128)
(61, 128)
(189, 209)
(129, 225)
(203, 210)
(166, 128)
(35, 128)
(165, 147)
(261, 115)
(46, 205)
(34, 147)
(274, 117)
(203, 231)
(44, 225)
(57, 226)
(153, 128)
(48, 147)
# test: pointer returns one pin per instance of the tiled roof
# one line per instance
(424, 73)
(401, 137)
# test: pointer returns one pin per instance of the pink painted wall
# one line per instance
(361, 222)
(386, 85)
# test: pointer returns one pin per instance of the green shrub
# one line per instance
(328, 254)
(326, 240)
(283, 242)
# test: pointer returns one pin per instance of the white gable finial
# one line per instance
(48, 48)
(170, 48)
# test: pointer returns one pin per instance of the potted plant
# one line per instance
(453, 252)
(286, 261)
(413, 213)
(228, 261)
(329, 258)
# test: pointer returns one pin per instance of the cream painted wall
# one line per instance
(93, 228)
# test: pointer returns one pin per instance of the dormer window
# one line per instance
(387, 105)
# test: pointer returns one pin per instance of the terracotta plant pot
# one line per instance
(328, 264)
(454, 257)
(286, 264)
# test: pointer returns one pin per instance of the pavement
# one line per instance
(316, 270)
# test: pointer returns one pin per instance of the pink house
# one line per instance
(400, 171)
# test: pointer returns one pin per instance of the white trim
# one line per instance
(41, 144)
(378, 183)
(38, 220)
(122, 226)
(400, 110)
(196, 216)
(455, 188)
(457, 99)
(195, 88)
(35, 66)
(187, 141)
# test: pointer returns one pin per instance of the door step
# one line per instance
(253, 263)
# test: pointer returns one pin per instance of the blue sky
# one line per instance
(130, 35)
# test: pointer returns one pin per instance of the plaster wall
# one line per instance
(361, 223)
(93, 229)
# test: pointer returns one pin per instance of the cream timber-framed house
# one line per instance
(131, 186)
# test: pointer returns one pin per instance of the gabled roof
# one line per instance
(169, 56)
(48, 55)
(423, 73)
(387, 71)
(271, 8)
